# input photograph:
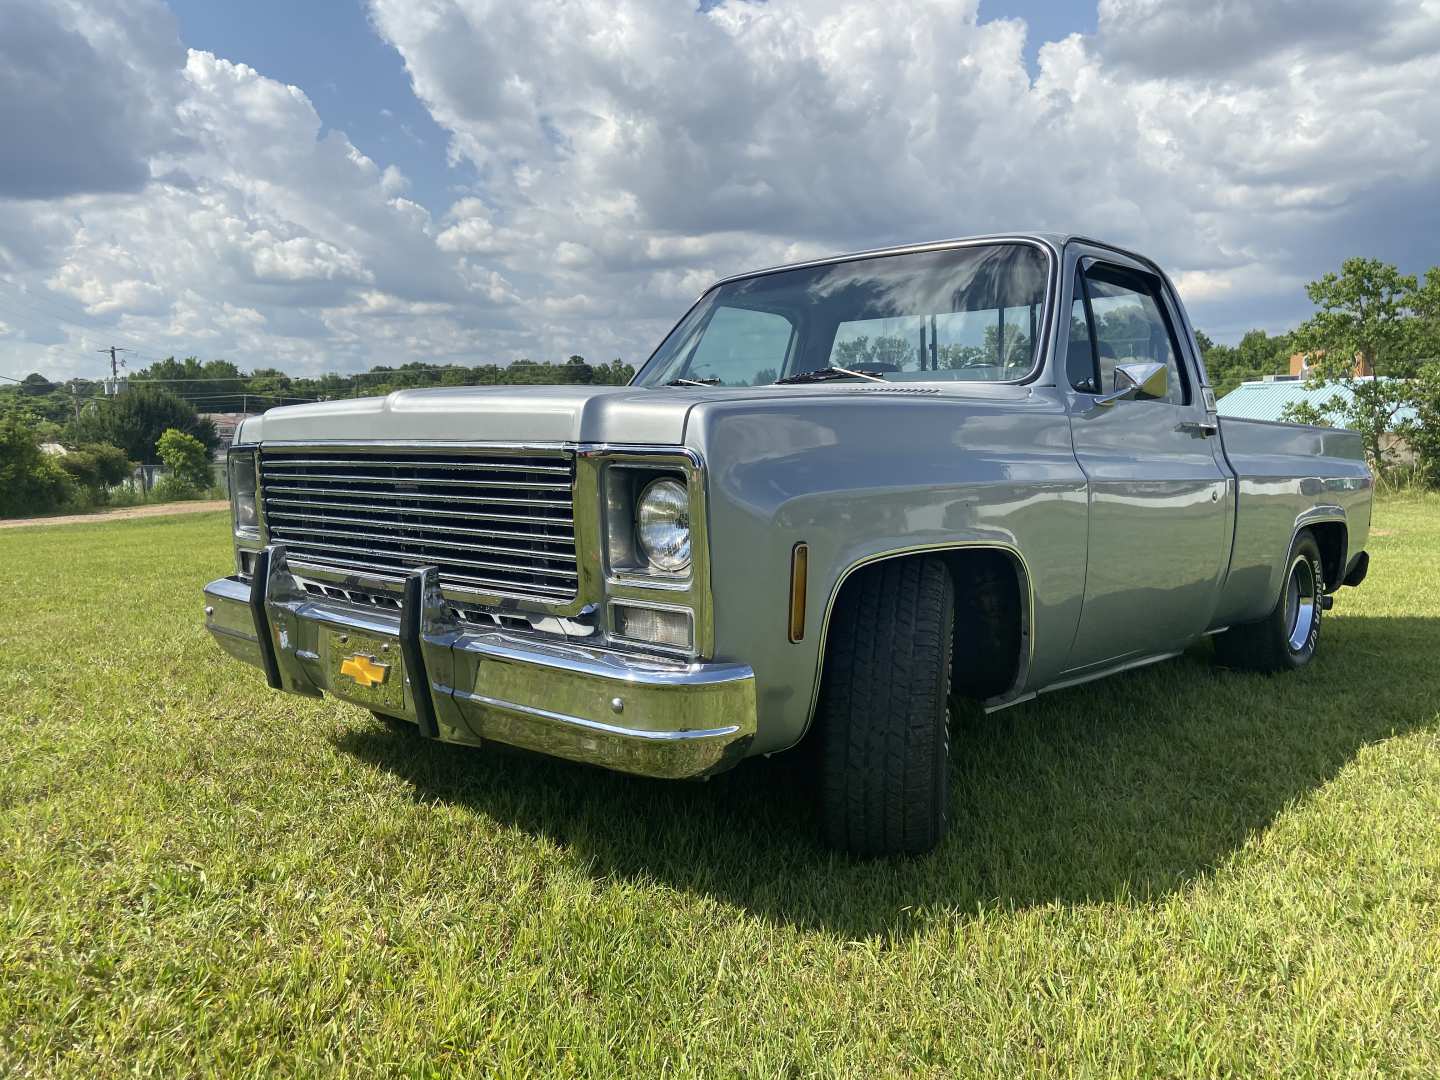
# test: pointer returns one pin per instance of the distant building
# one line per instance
(1267, 399)
(226, 424)
(1300, 366)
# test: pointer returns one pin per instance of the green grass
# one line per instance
(1177, 871)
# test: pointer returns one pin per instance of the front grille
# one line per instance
(495, 522)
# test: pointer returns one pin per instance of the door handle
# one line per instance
(1203, 428)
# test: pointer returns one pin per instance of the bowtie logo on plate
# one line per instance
(365, 670)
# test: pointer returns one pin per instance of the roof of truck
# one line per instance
(1051, 240)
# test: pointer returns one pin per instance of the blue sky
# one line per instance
(357, 81)
(339, 183)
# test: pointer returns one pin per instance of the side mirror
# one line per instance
(1142, 382)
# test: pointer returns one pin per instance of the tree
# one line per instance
(35, 384)
(1364, 327)
(1423, 431)
(31, 481)
(1257, 355)
(188, 461)
(135, 420)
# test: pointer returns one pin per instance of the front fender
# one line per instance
(862, 477)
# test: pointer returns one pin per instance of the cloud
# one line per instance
(88, 96)
(1225, 140)
(611, 158)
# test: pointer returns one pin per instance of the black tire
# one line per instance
(883, 731)
(397, 724)
(1287, 638)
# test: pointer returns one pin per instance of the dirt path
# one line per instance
(119, 515)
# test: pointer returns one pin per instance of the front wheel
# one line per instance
(883, 721)
(1286, 638)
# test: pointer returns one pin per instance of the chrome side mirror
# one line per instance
(1142, 382)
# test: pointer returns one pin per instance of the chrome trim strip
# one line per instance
(418, 445)
(1113, 669)
(596, 725)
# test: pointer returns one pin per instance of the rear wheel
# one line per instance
(883, 719)
(1286, 638)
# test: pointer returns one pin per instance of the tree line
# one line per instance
(156, 419)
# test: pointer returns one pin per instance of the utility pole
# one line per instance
(115, 365)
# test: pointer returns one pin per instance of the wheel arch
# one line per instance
(1332, 534)
(964, 559)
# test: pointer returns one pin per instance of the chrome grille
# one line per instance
(495, 522)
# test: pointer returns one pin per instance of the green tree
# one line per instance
(1423, 431)
(1364, 324)
(31, 481)
(135, 419)
(1258, 354)
(578, 371)
(188, 461)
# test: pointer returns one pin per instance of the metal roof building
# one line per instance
(1266, 399)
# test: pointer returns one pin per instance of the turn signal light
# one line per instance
(799, 570)
(654, 626)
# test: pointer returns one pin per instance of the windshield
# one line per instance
(954, 314)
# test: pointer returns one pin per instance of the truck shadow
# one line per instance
(1126, 790)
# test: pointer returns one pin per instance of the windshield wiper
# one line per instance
(824, 374)
(693, 382)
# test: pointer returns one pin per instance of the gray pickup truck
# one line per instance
(839, 498)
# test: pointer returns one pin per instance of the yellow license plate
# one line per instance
(366, 669)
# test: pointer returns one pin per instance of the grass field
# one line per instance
(1178, 871)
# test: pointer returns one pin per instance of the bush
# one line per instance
(97, 467)
(173, 489)
(31, 481)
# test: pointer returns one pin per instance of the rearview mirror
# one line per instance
(1147, 381)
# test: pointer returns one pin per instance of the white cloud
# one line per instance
(1242, 137)
(621, 154)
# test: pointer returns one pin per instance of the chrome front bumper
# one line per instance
(465, 685)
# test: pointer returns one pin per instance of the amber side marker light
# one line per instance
(799, 566)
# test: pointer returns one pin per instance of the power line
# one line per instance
(16, 309)
(391, 373)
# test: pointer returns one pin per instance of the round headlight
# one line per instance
(662, 525)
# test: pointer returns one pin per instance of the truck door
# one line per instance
(1160, 511)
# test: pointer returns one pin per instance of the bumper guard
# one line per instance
(467, 685)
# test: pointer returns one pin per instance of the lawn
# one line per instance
(1177, 871)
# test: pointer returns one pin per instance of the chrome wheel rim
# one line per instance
(1302, 607)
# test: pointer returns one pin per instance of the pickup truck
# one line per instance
(841, 498)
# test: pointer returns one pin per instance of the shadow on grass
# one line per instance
(1125, 789)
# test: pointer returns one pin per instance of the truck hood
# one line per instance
(531, 414)
(546, 414)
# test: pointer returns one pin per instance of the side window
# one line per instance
(1130, 327)
(742, 347)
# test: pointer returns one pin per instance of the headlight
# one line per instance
(243, 508)
(662, 525)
